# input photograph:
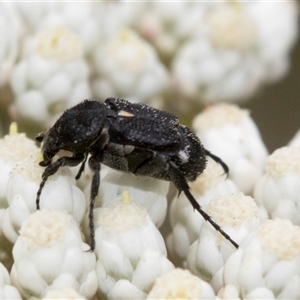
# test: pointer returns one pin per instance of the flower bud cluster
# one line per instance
(54, 55)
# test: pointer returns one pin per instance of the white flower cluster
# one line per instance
(56, 54)
(148, 52)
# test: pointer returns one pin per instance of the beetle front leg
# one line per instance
(178, 179)
(53, 168)
(94, 163)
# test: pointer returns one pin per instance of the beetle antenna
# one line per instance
(219, 161)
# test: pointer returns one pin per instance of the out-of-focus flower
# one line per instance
(128, 67)
(130, 251)
(79, 17)
(148, 192)
(51, 75)
(60, 192)
(277, 192)
(50, 255)
(185, 221)
(267, 262)
(238, 49)
(295, 142)
(90, 20)
(7, 291)
(180, 284)
(167, 25)
(230, 133)
(10, 32)
(237, 216)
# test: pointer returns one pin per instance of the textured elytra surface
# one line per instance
(145, 126)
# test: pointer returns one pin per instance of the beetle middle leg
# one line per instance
(94, 163)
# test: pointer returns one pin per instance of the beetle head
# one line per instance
(50, 146)
(76, 130)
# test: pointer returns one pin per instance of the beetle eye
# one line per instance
(40, 137)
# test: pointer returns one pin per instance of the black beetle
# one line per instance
(130, 137)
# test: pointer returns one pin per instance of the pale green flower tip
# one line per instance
(13, 128)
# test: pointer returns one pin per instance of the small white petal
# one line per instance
(229, 292)
(123, 289)
(64, 293)
(260, 293)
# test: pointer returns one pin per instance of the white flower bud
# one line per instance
(180, 284)
(7, 291)
(277, 191)
(270, 259)
(230, 133)
(128, 247)
(128, 67)
(59, 43)
(145, 191)
(59, 192)
(45, 252)
(14, 147)
(185, 221)
(237, 216)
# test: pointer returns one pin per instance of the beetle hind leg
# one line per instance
(178, 179)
